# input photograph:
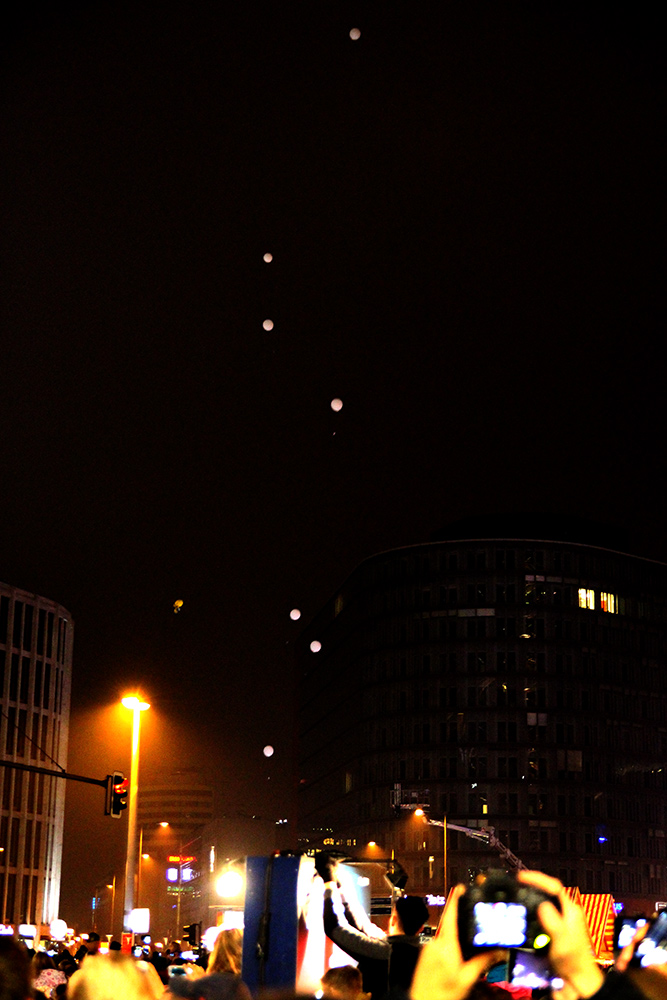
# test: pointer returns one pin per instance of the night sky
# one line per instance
(465, 210)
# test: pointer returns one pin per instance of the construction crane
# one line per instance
(488, 836)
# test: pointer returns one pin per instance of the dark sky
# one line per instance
(465, 209)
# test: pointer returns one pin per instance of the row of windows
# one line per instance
(12, 793)
(535, 591)
(635, 574)
(509, 628)
(496, 692)
(19, 681)
(565, 764)
(20, 907)
(22, 629)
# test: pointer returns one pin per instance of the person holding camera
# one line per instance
(386, 961)
(442, 973)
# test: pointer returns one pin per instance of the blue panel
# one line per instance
(273, 881)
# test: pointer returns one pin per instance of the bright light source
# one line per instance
(371, 843)
(172, 874)
(139, 920)
(315, 646)
(58, 930)
(419, 812)
(229, 884)
(268, 257)
(133, 702)
(336, 405)
(268, 751)
(164, 824)
(295, 614)
(355, 34)
(268, 324)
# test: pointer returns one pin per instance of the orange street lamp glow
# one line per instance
(134, 701)
(419, 812)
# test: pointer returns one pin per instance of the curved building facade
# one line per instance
(505, 682)
(35, 682)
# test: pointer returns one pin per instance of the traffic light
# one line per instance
(117, 789)
(191, 933)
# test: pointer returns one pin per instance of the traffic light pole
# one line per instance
(103, 782)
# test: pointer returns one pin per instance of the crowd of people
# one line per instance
(387, 966)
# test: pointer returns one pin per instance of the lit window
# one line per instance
(609, 602)
(586, 598)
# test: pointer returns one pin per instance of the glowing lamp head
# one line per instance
(229, 884)
(336, 405)
(268, 324)
(268, 751)
(315, 646)
(419, 812)
(133, 702)
(295, 614)
(355, 34)
(268, 257)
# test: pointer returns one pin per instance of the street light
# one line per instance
(136, 705)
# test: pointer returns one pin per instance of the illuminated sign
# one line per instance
(182, 859)
(435, 900)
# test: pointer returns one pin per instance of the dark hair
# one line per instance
(346, 977)
(14, 970)
(412, 912)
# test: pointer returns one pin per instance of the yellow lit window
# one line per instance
(586, 598)
(609, 602)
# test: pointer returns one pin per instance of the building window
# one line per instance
(586, 598)
(609, 602)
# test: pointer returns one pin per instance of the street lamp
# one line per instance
(136, 706)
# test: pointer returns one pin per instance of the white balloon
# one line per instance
(268, 324)
(268, 257)
(268, 751)
(355, 34)
(295, 614)
(336, 405)
(315, 646)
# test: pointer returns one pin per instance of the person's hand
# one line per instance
(324, 867)
(570, 954)
(441, 972)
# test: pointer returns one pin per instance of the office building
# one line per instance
(508, 676)
(35, 680)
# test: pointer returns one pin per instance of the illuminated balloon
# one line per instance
(268, 751)
(295, 614)
(336, 405)
(355, 34)
(177, 606)
(268, 257)
(268, 324)
(315, 646)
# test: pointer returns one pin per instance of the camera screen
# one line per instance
(627, 930)
(653, 949)
(533, 971)
(499, 925)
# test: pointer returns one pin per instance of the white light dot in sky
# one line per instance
(315, 646)
(268, 751)
(268, 257)
(268, 324)
(336, 405)
(295, 614)
(355, 34)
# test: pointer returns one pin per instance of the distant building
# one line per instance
(506, 676)
(35, 681)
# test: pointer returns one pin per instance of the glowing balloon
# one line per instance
(177, 606)
(268, 257)
(268, 751)
(315, 646)
(295, 614)
(355, 34)
(268, 324)
(336, 405)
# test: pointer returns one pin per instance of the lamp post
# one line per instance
(136, 706)
(112, 885)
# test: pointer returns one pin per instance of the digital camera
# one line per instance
(501, 913)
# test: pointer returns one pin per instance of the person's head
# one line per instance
(410, 914)
(342, 983)
(114, 945)
(227, 952)
(40, 962)
(93, 943)
(109, 977)
(14, 970)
